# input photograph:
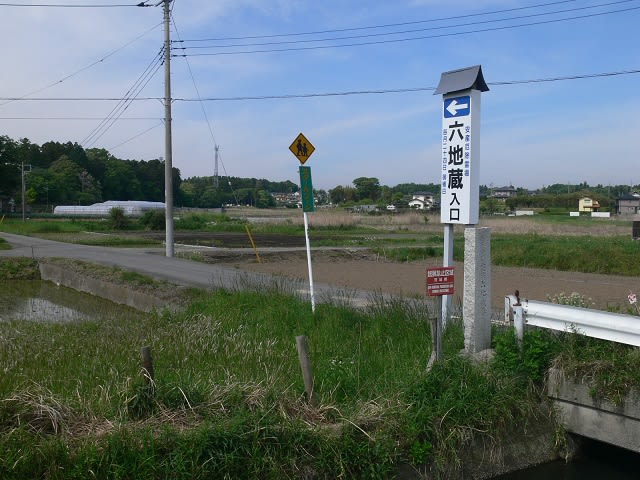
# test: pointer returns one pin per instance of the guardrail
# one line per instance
(614, 327)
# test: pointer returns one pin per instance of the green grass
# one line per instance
(612, 369)
(19, 269)
(228, 397)
(4, 245)
(589, 254)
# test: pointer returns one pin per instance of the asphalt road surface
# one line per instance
(153, 262)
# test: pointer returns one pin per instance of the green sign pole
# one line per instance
(307, 206)
(307, 189)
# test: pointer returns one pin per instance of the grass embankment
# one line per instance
(228, 399)
(19, 268)
(588, 254)
(84, 232)
(583, 247)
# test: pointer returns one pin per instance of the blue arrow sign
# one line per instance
(457, 107)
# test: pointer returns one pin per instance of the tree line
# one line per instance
(67, 174)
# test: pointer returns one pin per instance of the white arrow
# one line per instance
(453, 107)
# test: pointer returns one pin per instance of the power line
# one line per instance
(117, 111)
(409, 90)
(408, 39)
(72, 5)
(93, 64)
(195, 86)
(371, 27)
(206, 117)
(400, 32)
(77, 118)
(343, 93)
(136, 136)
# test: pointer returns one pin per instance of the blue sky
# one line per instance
(532, 134)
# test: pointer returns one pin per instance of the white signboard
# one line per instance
(459, 182)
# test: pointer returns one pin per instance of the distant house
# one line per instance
(286, 198)
(586, 204)
(628, 204)
(363, 208)
(503, 193)
(422, 200)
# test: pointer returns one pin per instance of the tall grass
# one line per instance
(589, 254)
(227, 398)
(19, 268)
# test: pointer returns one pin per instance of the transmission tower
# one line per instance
(215, 168)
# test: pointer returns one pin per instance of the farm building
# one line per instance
(131, 208)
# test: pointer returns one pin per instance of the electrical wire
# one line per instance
(72, 5)
(413, 89)
(100, 60)
(344, 93)
(76, 118)
(388, 25)
(206, 117)
(401, 32)
(408, 39)
(124, 103)
(136, 136)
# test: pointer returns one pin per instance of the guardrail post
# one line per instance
(518, 323)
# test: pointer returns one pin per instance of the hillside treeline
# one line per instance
(67, 174)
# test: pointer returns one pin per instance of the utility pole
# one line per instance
(168, 160)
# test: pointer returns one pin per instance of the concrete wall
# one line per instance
(116, 293)
(584, 415)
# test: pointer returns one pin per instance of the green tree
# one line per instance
(151, 177)
(264, 199)
(367, 188)
(336, 194)
(9, 170)
(65, 176)
(120, 181)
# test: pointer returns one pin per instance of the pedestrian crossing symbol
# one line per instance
(302, 148)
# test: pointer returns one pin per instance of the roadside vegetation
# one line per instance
(227, 398)
(550, 242)
(18, 268)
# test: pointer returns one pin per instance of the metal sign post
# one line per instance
(459, 164)
(440, 282)
(307, 206)
(302, 149)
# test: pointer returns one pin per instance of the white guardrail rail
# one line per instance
(614, 327)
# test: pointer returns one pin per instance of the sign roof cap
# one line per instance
(462, 79)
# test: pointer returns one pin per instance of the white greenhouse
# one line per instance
(132, 208)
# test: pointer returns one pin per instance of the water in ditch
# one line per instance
(596, 461)
(40, 301)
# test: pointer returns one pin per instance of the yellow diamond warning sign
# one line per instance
(302, 148)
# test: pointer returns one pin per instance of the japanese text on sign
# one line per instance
(306, 188)
(440, 281)
(458, 185)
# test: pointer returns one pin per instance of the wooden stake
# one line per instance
(147, 364)
(305, 366)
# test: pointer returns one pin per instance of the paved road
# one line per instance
(152, 262)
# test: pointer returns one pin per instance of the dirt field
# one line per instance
(361, 271)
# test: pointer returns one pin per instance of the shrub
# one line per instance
(153, 220)
(117, 218)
